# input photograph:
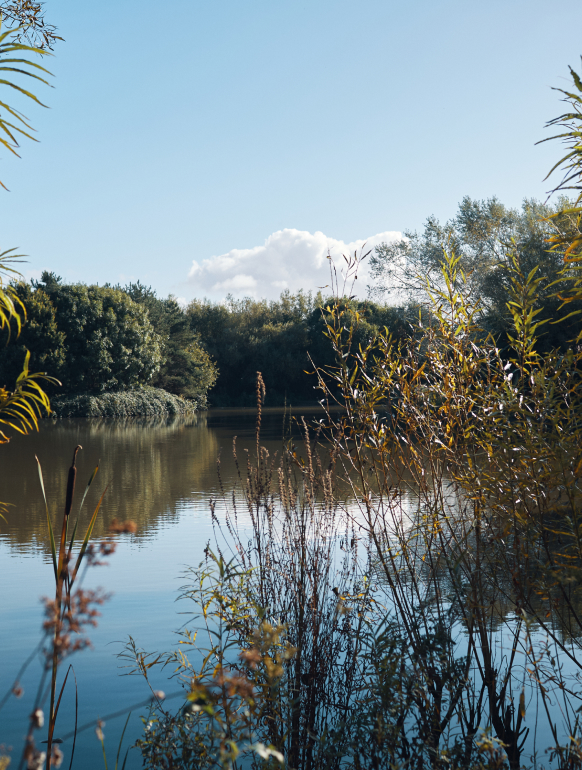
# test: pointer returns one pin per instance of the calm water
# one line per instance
(162, 476)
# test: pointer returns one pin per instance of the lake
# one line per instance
(160, 475)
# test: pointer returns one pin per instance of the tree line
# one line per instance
(98, 339)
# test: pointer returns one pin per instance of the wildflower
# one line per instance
(80, 613)
(37, 718)
(99, 730)
(36, 759)
(159, 694)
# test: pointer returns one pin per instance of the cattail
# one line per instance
(71, 483)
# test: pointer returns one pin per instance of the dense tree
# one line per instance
(96, 338)
(186, 368)
(245, 336)
(40, 335)
(282, 339)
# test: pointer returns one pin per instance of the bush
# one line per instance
(93, 339)
(142, 402)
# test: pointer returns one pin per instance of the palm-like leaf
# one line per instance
(19, 409)
(10, 305)
(571, 167)
(22, 408)
(13, 124)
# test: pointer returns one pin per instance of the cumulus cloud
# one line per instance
(289, 259)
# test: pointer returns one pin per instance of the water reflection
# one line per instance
(162, 474)
(152, 468)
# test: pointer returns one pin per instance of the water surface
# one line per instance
(160, 474)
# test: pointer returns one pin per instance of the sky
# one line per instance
(228, 146)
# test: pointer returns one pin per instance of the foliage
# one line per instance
(336, 657)
(28, 17)
(245, 336)
(487, 540)
(569, 239)
(95, 339)
(484, 235)
(186, 368)
(432, 645)
(16, 125)
(39, 335)
(144, 401)
(102, 339)
(19, 409)
(223, 705)
(281, 339)
(282, 622)
(11, 307)
(22, 408)
(67, 618)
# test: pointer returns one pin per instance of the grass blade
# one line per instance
(120, 742)
(87, 536)
(48, 518)
(81, 507)
(76, 718)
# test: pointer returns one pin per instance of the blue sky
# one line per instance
(189, 130)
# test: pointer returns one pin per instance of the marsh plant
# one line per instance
(281, 604)
(431, 618)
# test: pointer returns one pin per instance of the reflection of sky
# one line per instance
(144, 575)
(146, 572)
(144, 581)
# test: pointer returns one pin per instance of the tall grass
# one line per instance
(433, 619)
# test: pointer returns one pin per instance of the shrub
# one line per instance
(141, 402)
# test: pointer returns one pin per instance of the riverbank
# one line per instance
(141, 402)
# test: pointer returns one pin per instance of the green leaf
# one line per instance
(48, 518)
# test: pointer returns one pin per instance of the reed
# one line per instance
(425, 619)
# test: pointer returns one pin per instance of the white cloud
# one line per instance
(289, 259)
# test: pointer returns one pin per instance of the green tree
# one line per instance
(485, 236)
(186, 368)
(245, 336)
(109, 342)
(282, 339)
(40, 336)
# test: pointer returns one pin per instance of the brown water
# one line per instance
(160, 475)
